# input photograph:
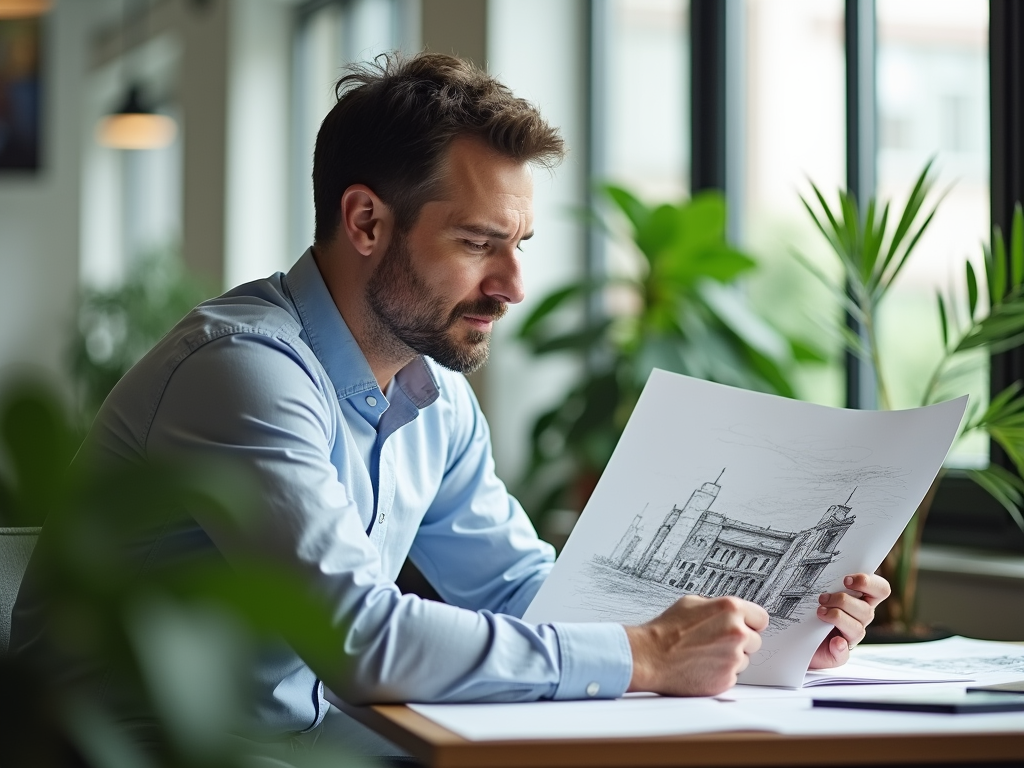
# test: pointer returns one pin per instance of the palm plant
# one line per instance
(975, 318)
(677, 309)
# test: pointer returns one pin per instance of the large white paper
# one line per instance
(763, 708)
(714, 490)
(617, 718)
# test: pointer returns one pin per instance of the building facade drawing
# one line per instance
(699, 551)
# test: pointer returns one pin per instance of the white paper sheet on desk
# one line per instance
(714, 490)
(616, 718)
(796, 716)
(743, 708)
(857, 672)
(984, 662)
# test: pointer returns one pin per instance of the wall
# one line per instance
(979, 594)
(256, 197)
(39, 213)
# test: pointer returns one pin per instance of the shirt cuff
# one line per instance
(596, 661)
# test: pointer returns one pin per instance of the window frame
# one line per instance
(962, 513)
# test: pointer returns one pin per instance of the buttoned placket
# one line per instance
(393, 414)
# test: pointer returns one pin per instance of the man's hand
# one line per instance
(850, 613)
(696, 647)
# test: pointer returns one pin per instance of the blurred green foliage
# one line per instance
(986, 315)
(117, 326)
(174, 640)
(678, 307)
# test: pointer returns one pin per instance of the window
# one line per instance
(795, 132)
(933, 102)
(329, 35)
(640, 114)
(918, 86)
(645, 130)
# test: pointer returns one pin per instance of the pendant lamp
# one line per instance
(135, 125)
(22, 9)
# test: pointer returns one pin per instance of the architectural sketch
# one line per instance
(967, 666)
(699, 551)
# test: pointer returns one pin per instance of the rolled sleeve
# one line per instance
(596, 661)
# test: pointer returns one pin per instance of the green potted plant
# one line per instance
(677, 307)
(175, 640)
(117, 326)
(873, 249)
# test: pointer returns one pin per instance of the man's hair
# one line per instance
(396, 118)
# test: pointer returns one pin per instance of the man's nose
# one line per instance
(505, 282)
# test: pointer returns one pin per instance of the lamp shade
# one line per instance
(134, 126)
(20, 9)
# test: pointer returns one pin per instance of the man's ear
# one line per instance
(365, 219)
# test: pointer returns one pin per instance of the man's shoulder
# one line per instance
(251, 328)
(261, 307)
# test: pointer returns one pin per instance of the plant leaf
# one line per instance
(1001, 485)
(549, 304)
(972, 294)
(943, 321)
(637, 212)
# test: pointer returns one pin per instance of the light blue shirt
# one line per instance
(354, 482)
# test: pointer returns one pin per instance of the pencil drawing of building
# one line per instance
(706, 553)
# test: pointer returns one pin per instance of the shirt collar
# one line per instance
(332, 342)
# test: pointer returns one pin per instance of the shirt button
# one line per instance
(593, 689)
(371, 400)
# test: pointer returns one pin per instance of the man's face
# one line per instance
(441, 285)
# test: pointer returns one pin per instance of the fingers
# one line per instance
(851, 612)
(873, 588)
(850, 615)
(834, 651)
(696, 647)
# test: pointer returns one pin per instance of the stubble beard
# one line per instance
(408, 319)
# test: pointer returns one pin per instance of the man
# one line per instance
(340, 385)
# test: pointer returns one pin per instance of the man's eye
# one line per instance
(474, 246)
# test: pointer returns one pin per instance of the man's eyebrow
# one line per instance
(484, 231)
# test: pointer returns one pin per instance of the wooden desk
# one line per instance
(438, 747)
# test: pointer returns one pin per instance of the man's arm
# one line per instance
(250, 399)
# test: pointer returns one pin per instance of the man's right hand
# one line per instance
(696, 647)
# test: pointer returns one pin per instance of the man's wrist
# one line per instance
(641, 645)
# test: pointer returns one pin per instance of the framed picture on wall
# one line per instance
(20, 94)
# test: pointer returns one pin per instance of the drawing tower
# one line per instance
(628, 543)
(672, 534)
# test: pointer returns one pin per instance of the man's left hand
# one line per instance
(849, 612)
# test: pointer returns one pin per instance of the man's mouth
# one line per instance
(480, 315)
(480, 323)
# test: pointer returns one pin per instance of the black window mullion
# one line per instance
(861, 159)
(707, 95)
(1006, 83)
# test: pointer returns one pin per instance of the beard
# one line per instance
(407, 316)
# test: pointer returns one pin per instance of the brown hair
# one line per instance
(394, 121)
